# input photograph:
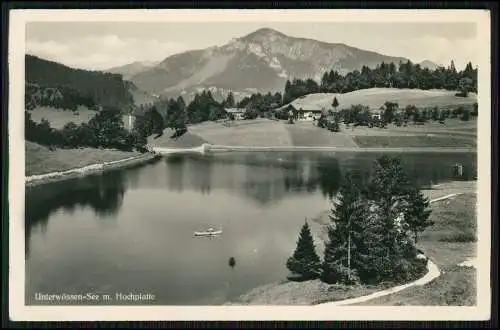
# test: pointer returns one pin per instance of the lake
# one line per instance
(131, 231)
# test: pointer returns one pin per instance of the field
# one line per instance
(264, 132)
(414, 141)
(375, 98)
(41, 160)
(307, 135)
(187, 140)
(258, 132)
(58, 117)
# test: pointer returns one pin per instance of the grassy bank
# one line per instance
(187, 140)
(264, 132)
(41, 160)
(414, 141)
(303, 293)
(448, 242)
(306, 134)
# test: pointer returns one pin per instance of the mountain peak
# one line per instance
(263, 32)
(429, 65)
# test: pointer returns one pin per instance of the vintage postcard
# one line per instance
(249, 165)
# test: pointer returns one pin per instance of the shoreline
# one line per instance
(39, 179)
(318, 228)
(212, 148)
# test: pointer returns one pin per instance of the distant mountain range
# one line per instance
(129, 70)
(258, 62)
(429, 65)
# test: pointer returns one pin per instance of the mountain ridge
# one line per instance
(266, 58)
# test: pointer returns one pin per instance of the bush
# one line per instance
(336, 273)
(466, 237)
(104, 130)
(465, 116)
(406, 270)
(333, 126)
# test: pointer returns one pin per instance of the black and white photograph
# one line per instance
(232, 164)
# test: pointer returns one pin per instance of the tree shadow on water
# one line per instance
(101, 193)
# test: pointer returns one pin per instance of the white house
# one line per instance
(128, 121)
(236, 112)
(305, 114)
(377, 113)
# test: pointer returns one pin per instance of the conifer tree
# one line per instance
(305, 261)
(399, 210)
(335, 103)
(344, 234)
(418, 212)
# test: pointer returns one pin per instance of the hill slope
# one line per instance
(376, 97)
(129, 70)
(105, 89)
(265, 58)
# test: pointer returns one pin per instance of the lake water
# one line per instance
(131, 231)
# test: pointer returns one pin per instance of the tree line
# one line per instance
(104, 89)
(105, 130)
(374, 226)
(361, 115)
(61, 98)
(387, 75)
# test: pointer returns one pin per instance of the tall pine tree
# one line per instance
(417, 213)
(335, 103)
(304, 261)
(341, 251)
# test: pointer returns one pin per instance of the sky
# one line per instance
(103, 45)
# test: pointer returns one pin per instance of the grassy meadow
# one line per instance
(41, 160)
(265, 132)
(414, 141)
(375, 97)
(59, 117)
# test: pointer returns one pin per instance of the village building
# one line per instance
(128, 121)
(238, 113)
(305, 114)
(377, 113)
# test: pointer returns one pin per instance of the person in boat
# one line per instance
(210, 229)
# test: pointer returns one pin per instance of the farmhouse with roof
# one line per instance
(304, 113)
(237, 113)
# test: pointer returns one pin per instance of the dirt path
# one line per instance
(433, 273)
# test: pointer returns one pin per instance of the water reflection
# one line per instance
(102, 193)
(232, 262)
(261, 200)
(175, 172)
(264, 178)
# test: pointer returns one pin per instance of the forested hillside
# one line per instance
(53, 84)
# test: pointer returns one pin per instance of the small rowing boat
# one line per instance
(209, 232)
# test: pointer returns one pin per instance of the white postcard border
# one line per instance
(19, 312)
